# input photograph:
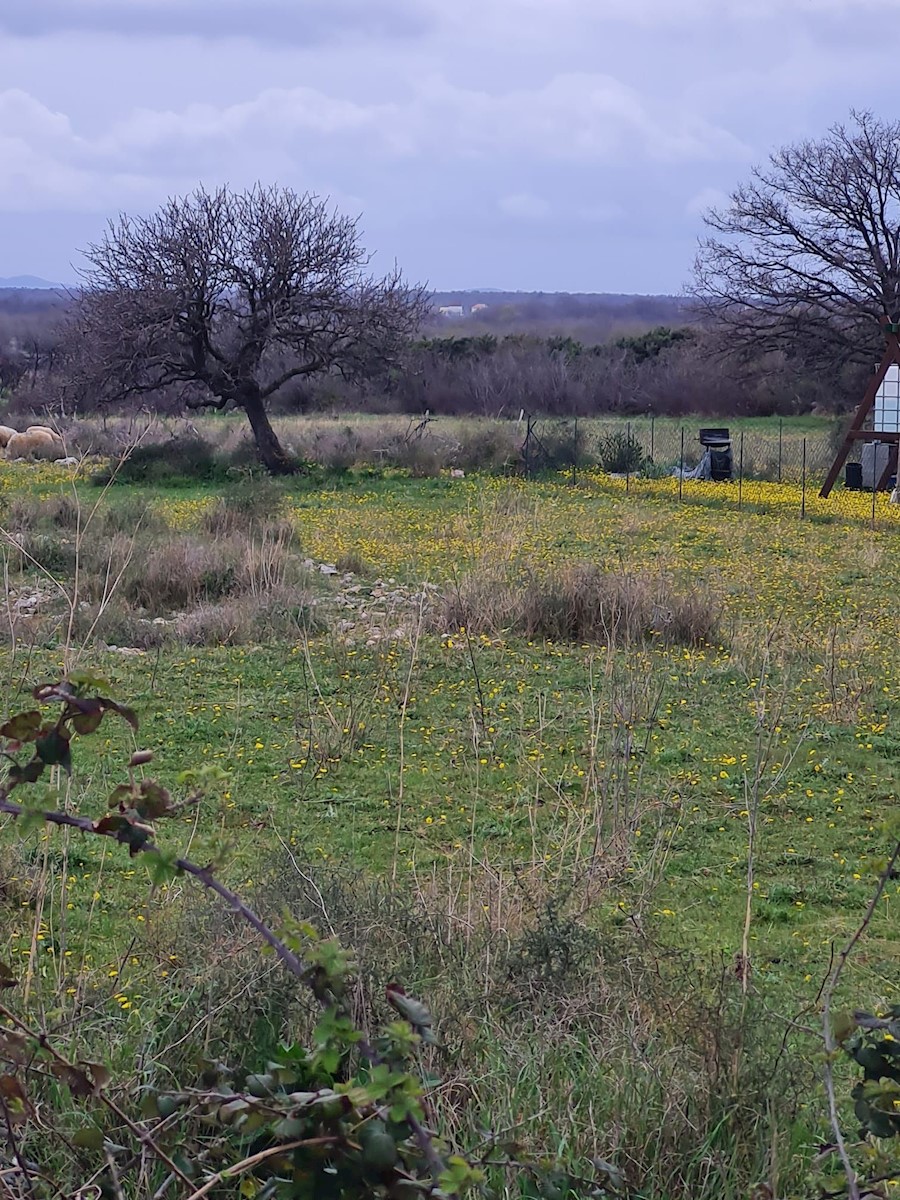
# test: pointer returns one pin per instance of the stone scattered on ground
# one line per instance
(370, 612)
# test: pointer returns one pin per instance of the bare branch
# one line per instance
(806, 256)
(206, 877)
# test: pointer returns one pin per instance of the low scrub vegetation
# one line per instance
(641, 1072)
(584, 603)
(620, 452)
(578, 796)
(121, 576)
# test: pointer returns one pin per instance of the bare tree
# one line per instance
(806, 257)
(229, 296)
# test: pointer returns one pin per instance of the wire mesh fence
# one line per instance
(776, 469)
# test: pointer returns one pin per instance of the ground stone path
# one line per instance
(377, 611)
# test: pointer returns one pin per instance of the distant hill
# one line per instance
(26, 281)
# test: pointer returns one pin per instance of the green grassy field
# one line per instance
(665, 801)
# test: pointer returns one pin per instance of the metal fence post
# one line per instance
(874, 488)
(574, 451)
(803, 483)
(681, 468)
(527, 447)
(780, 444)
(741, 473)
(652, 437)
(627, 456)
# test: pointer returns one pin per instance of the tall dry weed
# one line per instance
(581, 602)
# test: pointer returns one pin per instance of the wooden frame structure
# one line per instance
(856, 433)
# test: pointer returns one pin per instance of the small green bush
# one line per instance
(181, 460)
(620, 453)
(655, 470)
(49, 552)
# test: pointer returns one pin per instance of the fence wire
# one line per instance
(773, 470)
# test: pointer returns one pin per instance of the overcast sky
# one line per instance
(556, 145)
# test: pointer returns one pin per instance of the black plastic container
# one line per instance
(715, 437)
(721, 463)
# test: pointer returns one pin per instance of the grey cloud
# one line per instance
(304, 135)
(550, 143)
(296, 22)
(524, 206)
(577, 118)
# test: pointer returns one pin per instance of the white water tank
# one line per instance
(886, 413)
(875, 456)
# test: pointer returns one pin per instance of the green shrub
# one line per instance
(49, 552)
(620, 453)
(181, 460)
(655, 470)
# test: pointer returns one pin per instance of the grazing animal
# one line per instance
(5, 434)
(34, 443)
(45, 429)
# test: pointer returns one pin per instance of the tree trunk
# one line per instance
(271, 453)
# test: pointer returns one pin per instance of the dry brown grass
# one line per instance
(181, 573)
(116, 623)
(189, 570)
(249, 503)
(283, 614)
(118, 575)
(582, 603)
(352, 563)
(422, 446)
(266, 560)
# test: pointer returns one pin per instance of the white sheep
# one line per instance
(45, 429)
(34, 443)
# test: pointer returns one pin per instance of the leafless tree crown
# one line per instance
(231, 295)
(806, 256)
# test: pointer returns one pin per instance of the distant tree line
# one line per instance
(666, 370)
(663, 370)
(30, 340)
